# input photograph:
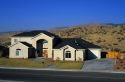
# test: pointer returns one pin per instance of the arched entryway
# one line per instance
(41, 48)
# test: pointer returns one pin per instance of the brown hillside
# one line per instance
(5, 38)
(106, 36)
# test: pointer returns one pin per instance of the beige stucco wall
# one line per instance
(96, 52)
(21, 39)
(72, 50)
(24, 51)
(58, 53)
(48, 45)
(80, 54)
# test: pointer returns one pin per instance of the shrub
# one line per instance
(98, 41)
(116, 49)
(79, 59)
(57, 59)
(115, 44)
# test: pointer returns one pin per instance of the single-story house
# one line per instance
(40, 43)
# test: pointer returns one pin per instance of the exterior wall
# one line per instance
(72, 50)
(80, 55)
(58, 54)
(96, 52)
(23, 39)
(48, 45)
(24, 51)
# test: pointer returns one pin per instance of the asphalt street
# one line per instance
(21, 75)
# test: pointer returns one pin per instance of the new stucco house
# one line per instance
(45, 44)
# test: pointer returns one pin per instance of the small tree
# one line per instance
(57, 58)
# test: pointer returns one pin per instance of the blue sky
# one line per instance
(46, 14)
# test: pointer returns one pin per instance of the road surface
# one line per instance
(21, 75)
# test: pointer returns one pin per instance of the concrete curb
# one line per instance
(48, 69)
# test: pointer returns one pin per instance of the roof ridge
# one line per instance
(34, 33)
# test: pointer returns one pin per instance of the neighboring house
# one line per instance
(45, 44)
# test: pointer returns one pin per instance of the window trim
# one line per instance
(67, 54)
(18, 52)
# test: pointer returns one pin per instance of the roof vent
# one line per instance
(76, 42)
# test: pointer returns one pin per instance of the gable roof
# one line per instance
(34, 33)
(76, 43)
(26, 44)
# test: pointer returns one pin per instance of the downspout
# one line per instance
(64, 55)
(52, 54)
(75, 55)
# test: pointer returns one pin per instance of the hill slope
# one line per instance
(5, 37)
(106, 36)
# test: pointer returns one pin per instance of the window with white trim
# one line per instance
(18, 52)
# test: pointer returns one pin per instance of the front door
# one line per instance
(45, 53)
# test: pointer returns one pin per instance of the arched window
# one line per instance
(68, 54)
(45, 41)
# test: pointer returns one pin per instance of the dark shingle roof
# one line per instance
(76, 43)
(34, 33)
(26, 44)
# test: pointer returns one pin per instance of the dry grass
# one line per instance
(29, 63)
(20, 63)
(69, 65)
(106, 36)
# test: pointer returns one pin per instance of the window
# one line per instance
(18, 52)
(15, 40)
(68, 54)
(45, 41)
